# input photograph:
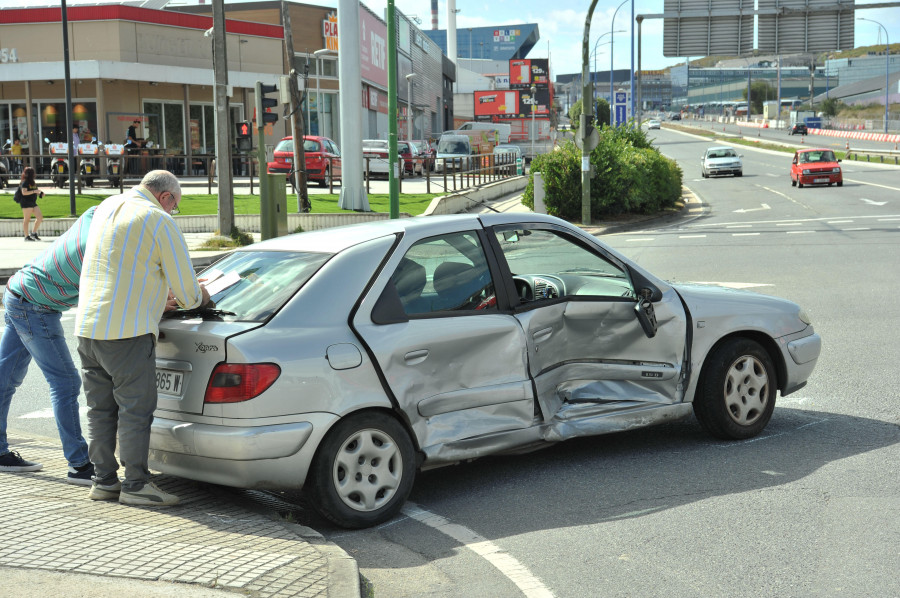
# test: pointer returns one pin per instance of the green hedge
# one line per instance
(630, 176)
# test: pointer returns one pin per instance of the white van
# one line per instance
(503, 130)
(450, 149)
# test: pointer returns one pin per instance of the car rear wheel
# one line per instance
(736, 392)
(363, 470)
(326, 179)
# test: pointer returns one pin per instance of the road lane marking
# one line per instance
(691, 236)
(857, 228)
(734, 285)
(765, 206)
(739, 226)
(873, 184)
(787, 197)
(531, 586)
(873, 203)
(789, 224)
(839, 222)
(799, 232)
(641, 239)
(888, 219)
(744, 234)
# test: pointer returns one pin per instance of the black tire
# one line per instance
(739, 173)
(380, 468)
(325, 179)
(799, 184)
(704, 175)
(736, 392)
(840, 183)
(793, 182)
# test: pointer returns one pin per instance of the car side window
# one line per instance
(448, 273)
(548, 265)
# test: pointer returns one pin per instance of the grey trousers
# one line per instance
(120, 386)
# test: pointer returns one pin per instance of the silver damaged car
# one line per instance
(342, 361)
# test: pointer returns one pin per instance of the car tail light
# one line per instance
(236, 382)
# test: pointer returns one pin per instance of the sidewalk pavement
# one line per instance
(56, 543)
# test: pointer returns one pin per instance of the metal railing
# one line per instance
(868, 153)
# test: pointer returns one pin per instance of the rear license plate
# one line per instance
(170, 382)
(821, 180)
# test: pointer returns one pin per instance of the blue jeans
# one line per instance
(35, 332)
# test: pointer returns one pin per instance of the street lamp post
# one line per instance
(596, 43)
(533, 110)
(611, 48)
(409, 124)
(318, 54)
(887, 69)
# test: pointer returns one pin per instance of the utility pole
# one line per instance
(303, 205)
(223, 127)
(586, 131)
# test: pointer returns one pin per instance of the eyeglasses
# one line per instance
(174, 211)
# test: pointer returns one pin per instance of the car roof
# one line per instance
(337, 239)
(814, 149)
(310, 137)
(719, 147)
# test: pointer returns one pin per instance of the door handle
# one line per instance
(542, 335)
(415, 357)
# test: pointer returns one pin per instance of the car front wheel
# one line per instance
(736, 392)
(363, 471)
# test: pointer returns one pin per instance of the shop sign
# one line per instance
(330, 31)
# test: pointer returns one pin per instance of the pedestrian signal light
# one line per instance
(243, 130)
(264, 104)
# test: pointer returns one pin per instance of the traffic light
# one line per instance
(264, 104)
(244, 141)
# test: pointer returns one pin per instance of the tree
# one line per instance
(832, 106)
(575, 114)
(601, 117)
(760, 91)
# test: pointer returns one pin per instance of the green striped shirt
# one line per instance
(51, 279)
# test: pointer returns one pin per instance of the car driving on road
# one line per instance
(721, 160)
(344, 360)
(816, 167)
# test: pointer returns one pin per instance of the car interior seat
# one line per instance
(409, 279)
(455, 284)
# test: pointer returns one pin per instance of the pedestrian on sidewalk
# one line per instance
(35, 298)
(26, 196)
(135, 254)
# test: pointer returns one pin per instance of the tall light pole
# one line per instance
(611, 48)
(318, 54)
(409, 124)
(533, 110)
(595, 53)
(887, 69)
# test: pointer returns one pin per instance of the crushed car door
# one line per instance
(455, 365)
(588, 352)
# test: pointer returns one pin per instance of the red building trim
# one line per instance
(118, 12)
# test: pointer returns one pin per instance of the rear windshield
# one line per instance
(287, 145)
(253, 285)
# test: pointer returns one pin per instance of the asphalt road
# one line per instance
(809, 508)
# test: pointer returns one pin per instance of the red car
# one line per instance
(816, 167)
(323, 159)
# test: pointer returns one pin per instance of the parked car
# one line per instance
(797, 129)
(721, 160)
(408, 154)
(676, 116)
(508, 155)
(452, 149)
(816, 167)
(375, 156)
(427, 151)
(323, 159)
(653, 124)
(342, 360)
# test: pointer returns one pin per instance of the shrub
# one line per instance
(630, 176)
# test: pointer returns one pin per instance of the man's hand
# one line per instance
(205, 298)
(171, 303)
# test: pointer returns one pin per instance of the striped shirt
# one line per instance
(134, 255)
(51, 279)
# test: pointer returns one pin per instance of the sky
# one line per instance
(561, 26)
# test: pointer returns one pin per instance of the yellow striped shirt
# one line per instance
(135, 253)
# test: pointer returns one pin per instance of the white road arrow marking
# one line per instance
(765, 206)
(874, 203)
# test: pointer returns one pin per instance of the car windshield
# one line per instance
(287, 145)
(725, 153)
(826, 156)
(449, 146)
(253, 285)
